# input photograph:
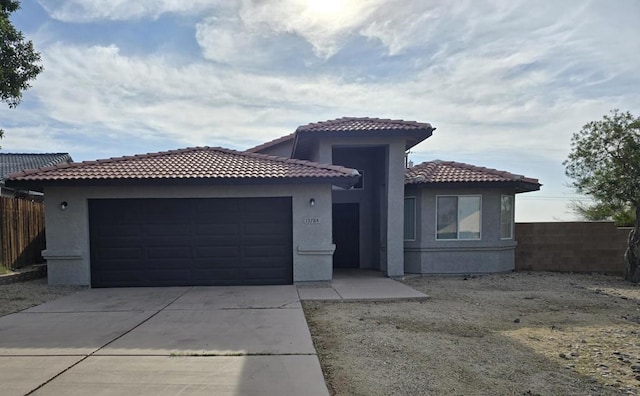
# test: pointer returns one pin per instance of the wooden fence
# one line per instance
(21, 232)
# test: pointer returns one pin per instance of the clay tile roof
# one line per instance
(271, 143)
(364, 124)
(456, 172)
(13, 162)
(188, 163)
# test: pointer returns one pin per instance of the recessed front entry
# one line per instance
(179, 242)
(346, 235)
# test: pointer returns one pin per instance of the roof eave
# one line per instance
(519, 186)
(39, 185)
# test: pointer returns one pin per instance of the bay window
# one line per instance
(458, 217)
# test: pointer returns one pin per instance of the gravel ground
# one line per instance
(505, 334)
(18, 296)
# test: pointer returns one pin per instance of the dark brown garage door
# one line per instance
(179, 242)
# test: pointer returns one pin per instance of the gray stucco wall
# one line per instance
(390, 196)
(67, 231)
(427, 255)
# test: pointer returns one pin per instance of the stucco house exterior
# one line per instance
(333, 194)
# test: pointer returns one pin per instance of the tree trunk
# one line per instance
(632, 255)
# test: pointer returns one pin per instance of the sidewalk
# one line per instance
(359, 285)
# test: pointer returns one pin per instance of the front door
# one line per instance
(346, 235)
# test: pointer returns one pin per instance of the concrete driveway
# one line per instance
(162, 341)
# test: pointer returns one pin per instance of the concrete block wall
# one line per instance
(571, 247)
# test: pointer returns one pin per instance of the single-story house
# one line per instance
(17, 162)
(333, 194)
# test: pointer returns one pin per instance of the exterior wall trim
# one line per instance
(460, 248)
(49, 254)
(316, 250)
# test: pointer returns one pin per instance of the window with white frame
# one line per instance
(506, 217)
(458, 217)
(410, 219)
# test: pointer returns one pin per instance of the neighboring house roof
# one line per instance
(13, 162)
(194, 163)
(414, 132)
(456, 172)
(271, 143)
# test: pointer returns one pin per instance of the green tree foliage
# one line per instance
(19, 62)
(605, 164)
(599, 211)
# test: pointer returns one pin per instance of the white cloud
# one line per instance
(263, 31)
(119, 10)
(324, 31)
(196, 104)
(202, 103)
(509, 80)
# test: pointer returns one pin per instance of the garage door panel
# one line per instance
(161, 277)
(269, 215)
(120, 253)
(120, 230)
(228, 217)
(213, 252)
(170, 264)
(217, 229)
(191, 242)
(215, 240)
(115, 213)
(216, 263)
(263, 240)
(171, 229)
(120, 265)
(168, 252)
(223, 206)
(262, 263)
(266, 252)
(266, 229)
(166, 211)
(276, 205)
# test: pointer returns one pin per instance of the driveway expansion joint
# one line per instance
(243, 308)
(103, 346)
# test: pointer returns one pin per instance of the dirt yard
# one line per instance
(507, 334)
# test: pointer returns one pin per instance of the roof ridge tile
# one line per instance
(377, 124)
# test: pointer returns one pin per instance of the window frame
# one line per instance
(415, 216)
(457, 238)
(512, 217)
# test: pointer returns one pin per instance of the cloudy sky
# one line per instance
(505, 83)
